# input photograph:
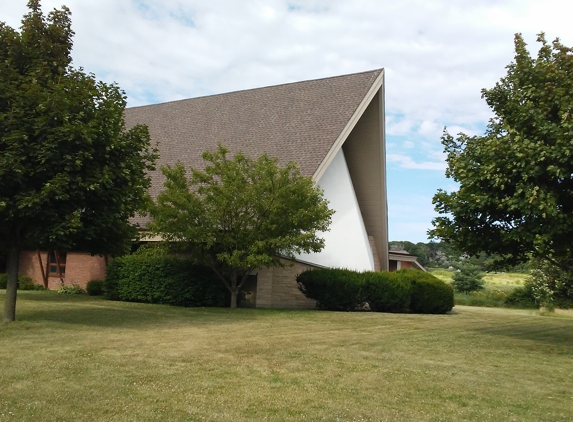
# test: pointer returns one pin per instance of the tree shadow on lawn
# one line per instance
(550, 332)
(100, 312)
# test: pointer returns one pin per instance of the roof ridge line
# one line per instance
(262, 87)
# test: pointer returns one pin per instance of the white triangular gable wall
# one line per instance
(346, 244)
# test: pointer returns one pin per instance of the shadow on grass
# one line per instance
(99, 312)
(547, 332)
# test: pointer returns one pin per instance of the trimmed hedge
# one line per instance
(95, 287)
(164, 279)
(333, 289)
(386, 293)
(400, 291)
(430, 295)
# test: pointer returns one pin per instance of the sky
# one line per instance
(437, 56)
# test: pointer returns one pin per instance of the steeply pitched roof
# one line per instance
(295, 122)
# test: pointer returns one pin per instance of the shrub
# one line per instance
(429, 294)
(26, 283)
(95, 287)
(160, 278)
(74, 289)
(489, 298)
(386, 293)
(333, 289)
(467, 279)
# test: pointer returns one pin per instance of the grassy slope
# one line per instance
(496, 279)
(72, 358)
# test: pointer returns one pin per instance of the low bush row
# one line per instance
(399, 291)
(24, 283)
(163, 279)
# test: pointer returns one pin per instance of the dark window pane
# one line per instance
(53, 269)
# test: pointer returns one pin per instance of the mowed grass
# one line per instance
(76, 358)
(496, 279)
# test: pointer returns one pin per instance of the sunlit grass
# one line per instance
(501, 278)
(72, 358)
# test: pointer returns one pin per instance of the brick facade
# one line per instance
(80, 268)
(277, 287)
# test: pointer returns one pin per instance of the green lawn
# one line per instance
(495, 279)
(76, 358)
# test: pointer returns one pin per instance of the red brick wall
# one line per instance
(29, 265)
(80, 268)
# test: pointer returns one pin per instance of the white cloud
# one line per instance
(407, 162)
(438, 54)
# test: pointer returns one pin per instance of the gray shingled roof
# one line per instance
(294, 122)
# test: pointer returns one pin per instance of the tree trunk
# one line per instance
(233, 299)
(12, 285)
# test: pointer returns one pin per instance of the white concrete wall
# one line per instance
(347, 244)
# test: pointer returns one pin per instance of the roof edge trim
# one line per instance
(376, 85)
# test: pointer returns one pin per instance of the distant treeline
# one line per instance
(441, 255)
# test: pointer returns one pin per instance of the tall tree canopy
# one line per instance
(70, 173)
(515, 195)
(240, 214)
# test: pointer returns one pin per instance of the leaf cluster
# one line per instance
(516, 181)
(71, 175)
(240, 214)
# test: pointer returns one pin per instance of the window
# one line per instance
(57, 264)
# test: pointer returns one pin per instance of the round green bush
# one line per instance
(95, 287)
(333, 289)
(3, 281)
(430, 295)
(386, 293)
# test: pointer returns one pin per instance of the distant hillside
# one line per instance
(441, 255)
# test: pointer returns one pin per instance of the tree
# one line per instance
(468, 278)
(240, 214)
(515, 195)
(70, 173)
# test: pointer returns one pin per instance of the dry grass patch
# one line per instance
(72, 358)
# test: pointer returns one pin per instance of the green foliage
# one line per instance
(429, 255)
(26, 283)
(489, 298)
(73, 289)
(549, 286)
(240, 214)
(429, 294)
(387, 293)
(516, 186)
(163, 279)
(71, 174)
(345, 290)
(468, 278)
(521, 297)
(95, 287)
(154, 249)
(333, 289)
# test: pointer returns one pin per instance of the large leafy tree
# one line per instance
(70, 173)
(240, 214)
(515, 195)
